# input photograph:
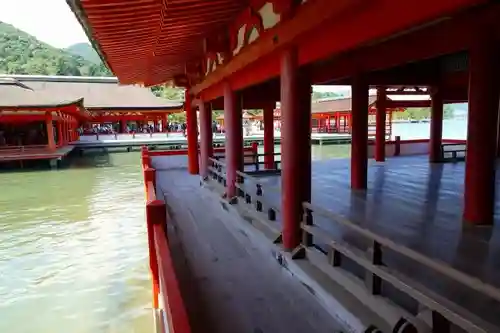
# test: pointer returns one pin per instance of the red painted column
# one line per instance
(206, 144)
(436, 130)
(164, 123)
(60, 139)
(359, 127)
(484, 87)
(233, 124)
(498, 135)
(380, 125)
(295, 146)
(123, 124)
(192, 135)
(269, 135)
(50, 131)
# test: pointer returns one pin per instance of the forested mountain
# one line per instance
(21, 53)
(86, 51)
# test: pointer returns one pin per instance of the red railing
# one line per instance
(168, 304)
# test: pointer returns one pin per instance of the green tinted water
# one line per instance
(73, 247)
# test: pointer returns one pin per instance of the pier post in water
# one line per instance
(295, 146)
(359, 146)
(192, 135)
(484, 93)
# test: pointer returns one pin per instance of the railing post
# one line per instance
(255, 152)
(397, 145)
(307, 219)
(258, 203)
(146, 160)
(156, 213)
(373, 281)
(150, 176)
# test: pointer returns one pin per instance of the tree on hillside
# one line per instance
(424, 113)
(171, 93)
(21, 53)
(316, 95)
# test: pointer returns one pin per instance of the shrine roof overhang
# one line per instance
(175, 38)
(14, 95)
(145, 109)
(97, 92)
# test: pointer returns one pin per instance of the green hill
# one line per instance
(21, 53)
(86, 51)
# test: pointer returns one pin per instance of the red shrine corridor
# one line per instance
(227, 284)
(409, 201)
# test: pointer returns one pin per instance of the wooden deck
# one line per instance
(418, 205)
(229, 285)
(24, 153)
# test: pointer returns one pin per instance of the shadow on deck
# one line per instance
(229, 284)
(418, 205)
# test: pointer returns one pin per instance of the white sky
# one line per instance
(51, 21)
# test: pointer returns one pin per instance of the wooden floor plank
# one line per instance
(230, 285)
(419, 205)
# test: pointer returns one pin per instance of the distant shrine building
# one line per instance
(41, 115)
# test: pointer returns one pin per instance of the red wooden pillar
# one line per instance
(436, 130)
(192, 135)
(164, 123)
(60, 136)
(50, 131)
(498, 135)
(123, 124)
(269, 135)
(359, 126)
(380, 125)
(63, 125)
(484, 87)
(233, 124)
(206, 144)
(66, 130)
(295, 146)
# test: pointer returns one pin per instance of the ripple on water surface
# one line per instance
(73, 250)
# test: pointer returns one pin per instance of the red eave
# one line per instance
(151, 40)
(317, 39)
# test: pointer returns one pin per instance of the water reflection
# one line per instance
(73, 254)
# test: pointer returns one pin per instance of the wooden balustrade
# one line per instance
(168, 305)
(444, 311)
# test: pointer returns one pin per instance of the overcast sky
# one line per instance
(50, 21)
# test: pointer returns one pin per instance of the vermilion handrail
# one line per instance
(165, 286)
(177, 317)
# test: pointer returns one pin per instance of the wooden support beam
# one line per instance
(262, 55)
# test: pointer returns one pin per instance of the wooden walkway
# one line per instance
(24, 153)
(419, 205)
(229, 284)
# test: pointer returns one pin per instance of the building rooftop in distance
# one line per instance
(97, 92)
